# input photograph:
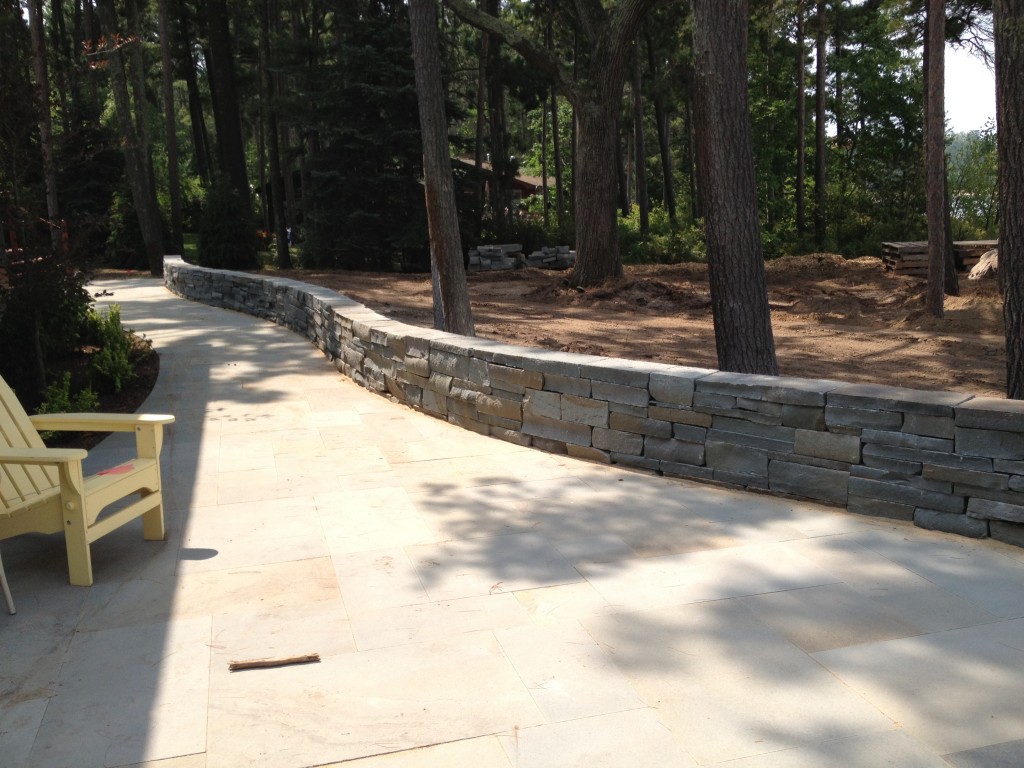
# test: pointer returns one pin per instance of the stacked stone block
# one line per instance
(944, 460)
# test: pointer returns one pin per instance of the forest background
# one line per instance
(286, 133)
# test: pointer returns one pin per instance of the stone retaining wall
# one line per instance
(947, 461)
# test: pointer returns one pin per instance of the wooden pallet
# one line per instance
(911, 258)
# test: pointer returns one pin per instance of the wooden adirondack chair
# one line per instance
(44, 490)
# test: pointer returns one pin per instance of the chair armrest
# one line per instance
(41, 455)
(97, 422)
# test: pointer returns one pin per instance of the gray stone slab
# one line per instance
(986, 509)
(555, 429)
(741, 479)
(1009, 467)
(744, 426)
(936, 520)
(826, 445)
(991, 413)
(583, 410)
(687, 470)
(804, 417)
(619, 393)
(705, 400)
(1011, 533)
(729, 457)
(778, 389)
(499, 406)
(682, 416)
(689, 433)
(542, 404)
(675, 451)
(566, 385)
(878, 397)
(618, 442)
(937, 458)
(676, 385)
(929, 426)
(974, 478)
(905, 494)
(862, 418)
(990, 443)
(763, 407)
(826, 485)
(614, 370)
(907, 440)
(752, 441)
(640, 426)
(514, 379)
(864, 505)
(894, 467)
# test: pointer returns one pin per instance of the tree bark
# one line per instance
(739, 296)
(200, 136)
(642, 199)
(221, 72)
(136, 154)
(801, 119)
(935, 152)
(283, 255)
(819, 129)
(1008, 22)
(451, 294)
(664, 143)
(170, 127)
(45, 121)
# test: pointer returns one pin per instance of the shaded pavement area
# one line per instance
(476, 603)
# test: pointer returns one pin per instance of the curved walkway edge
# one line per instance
(945, 460)
(476, 602)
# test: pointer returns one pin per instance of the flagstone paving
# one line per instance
(476, 603)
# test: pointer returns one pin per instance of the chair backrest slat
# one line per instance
(19, 482)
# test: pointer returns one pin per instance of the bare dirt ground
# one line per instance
(832, 318)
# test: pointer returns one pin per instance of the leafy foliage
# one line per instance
(112, 364)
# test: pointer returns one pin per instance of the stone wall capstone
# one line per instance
(945, 460)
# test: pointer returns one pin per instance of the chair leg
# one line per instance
(6, 589)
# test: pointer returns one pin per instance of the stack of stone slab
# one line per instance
(944, 460)
(485, 257)
(552, 257)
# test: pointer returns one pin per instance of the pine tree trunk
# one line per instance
(1008, 21)
(819, 131)
(200, 136)
(664, 143)
(45, 121)
(739, 296)
(136, 154)
(935, 153)
(642, 199)
(556, 158)
(596, 227)
(449, 277)
(170, 128)
(221, 72)
(283, 255)
(801, 119)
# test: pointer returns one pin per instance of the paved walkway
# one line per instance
(478, 604)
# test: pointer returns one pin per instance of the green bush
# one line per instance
(666, 242)
(112, 364)
(58, 398)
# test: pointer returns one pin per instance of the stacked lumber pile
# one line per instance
(911, 258)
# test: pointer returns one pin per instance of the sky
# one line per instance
(970, 91)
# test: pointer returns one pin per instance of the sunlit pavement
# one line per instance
(475, 603)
